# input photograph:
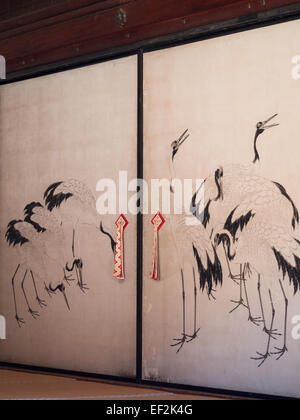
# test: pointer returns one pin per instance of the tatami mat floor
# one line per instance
(36, 386)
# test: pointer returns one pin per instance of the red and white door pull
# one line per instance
(121, 224)
(158, 221)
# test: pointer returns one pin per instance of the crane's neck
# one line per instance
(176, 220)
(256, 154)
(219, 195)
(226, 239)
(177, 205)
(172, 172)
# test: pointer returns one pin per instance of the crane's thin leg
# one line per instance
(256, 321)
(181, 341)
(73, 252)
(231, 276)
(79, 265)
(282, 351)
(183, 300)
(196, 330)
(65, 297)
(33, 313)
(18, 319)
(241, 301)
(263, 357)
(69, 278)
(73, 243)
(272, 333)
(41, 302)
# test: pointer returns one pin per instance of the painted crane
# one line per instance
(241, 194)
(53, 238)
(230, 185)
(26, 239)
(273, 253)
(194, 240)
(76, 206)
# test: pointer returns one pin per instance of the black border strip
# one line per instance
(139, 264)
(244, 23)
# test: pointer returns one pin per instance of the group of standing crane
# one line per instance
(253, 221)
(250, 219)
(47, 234)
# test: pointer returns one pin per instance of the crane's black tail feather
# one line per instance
(54, 200)
(211, 276)
(292, 272)
(238, 224)
(295, 219)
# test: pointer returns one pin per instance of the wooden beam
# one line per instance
(94, 26)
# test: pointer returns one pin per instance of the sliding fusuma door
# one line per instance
(68, 268)
(221, 139)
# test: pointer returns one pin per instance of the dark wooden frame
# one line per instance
(235, 25)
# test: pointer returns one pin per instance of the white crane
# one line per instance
(241, 194)
(52, 236)
(231, 185)
(273, 253)
(26, 239)
(76, 205)
(193, 240)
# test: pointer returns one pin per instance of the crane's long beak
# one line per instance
(265, 126)
(183, 138)
(66, 300)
